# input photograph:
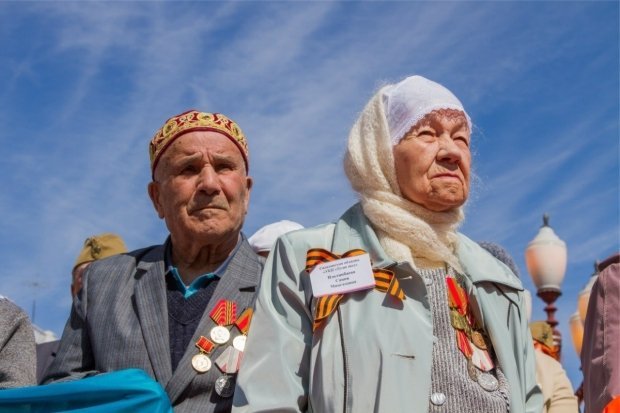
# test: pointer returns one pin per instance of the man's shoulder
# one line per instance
(122, 266)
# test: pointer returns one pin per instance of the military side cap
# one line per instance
(542, 332)
(194, 120)
(100, 246)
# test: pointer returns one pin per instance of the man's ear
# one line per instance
(248, 182)
(154, 192)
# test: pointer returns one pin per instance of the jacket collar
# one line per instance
(353, 230)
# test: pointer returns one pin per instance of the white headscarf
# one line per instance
(407, 231)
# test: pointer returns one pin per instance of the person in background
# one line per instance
(17, 348)
(95, 248)
(263, 240)
(178, 311)
(558, 394)
(600, 354)
(390, 308)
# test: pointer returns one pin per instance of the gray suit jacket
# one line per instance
(120, 320)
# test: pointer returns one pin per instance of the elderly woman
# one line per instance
(440, 328)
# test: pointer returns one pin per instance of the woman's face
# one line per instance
(433, 161)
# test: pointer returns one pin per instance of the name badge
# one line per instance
(343, 275)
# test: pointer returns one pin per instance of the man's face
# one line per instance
(433, 162)
(201, 188)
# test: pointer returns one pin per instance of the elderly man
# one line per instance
(179, 311)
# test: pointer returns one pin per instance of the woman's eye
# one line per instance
(426, 133)
(462, 139)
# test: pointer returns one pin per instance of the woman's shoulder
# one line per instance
(319, 236)
(481, 266)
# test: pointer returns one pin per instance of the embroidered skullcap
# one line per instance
(194, 120)
(100, 246)
(407, 102)
(266, 237)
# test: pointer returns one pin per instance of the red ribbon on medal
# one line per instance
(385, 281)
(243, 322)
(465, 327)
(205, 345)
(224, 313)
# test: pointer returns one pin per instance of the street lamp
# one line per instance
(545, 257)
(576, 331)
(584, 295)
(578, 320)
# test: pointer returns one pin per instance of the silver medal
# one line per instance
(201, 363)
(488, 382)
(220, 334)
(239, 342)
(225, 386)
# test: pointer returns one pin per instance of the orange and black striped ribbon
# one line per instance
(385, 281)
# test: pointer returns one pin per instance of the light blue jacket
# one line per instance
(375, 353)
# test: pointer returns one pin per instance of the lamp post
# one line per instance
(578, 319)
(545, 257)
(584, 295)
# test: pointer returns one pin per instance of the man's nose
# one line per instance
(208, 180)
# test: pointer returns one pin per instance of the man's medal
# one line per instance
(224, 314)
(243, 324)
(201, 361)
(228, 362)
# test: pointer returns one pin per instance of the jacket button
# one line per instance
(438, 399)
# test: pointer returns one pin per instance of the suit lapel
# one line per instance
(152, 309)
(238, 284)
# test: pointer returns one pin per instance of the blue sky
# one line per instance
(84, 85)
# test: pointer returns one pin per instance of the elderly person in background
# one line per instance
(17, 348)
(95, 248)
(263, 240)
(390, 309)
(179, 311)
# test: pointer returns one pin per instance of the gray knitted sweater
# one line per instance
(453, 387)
(17, 348)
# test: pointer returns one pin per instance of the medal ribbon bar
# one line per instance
(243, 322)
(469, 339)
(224, 313)
(205, 345)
